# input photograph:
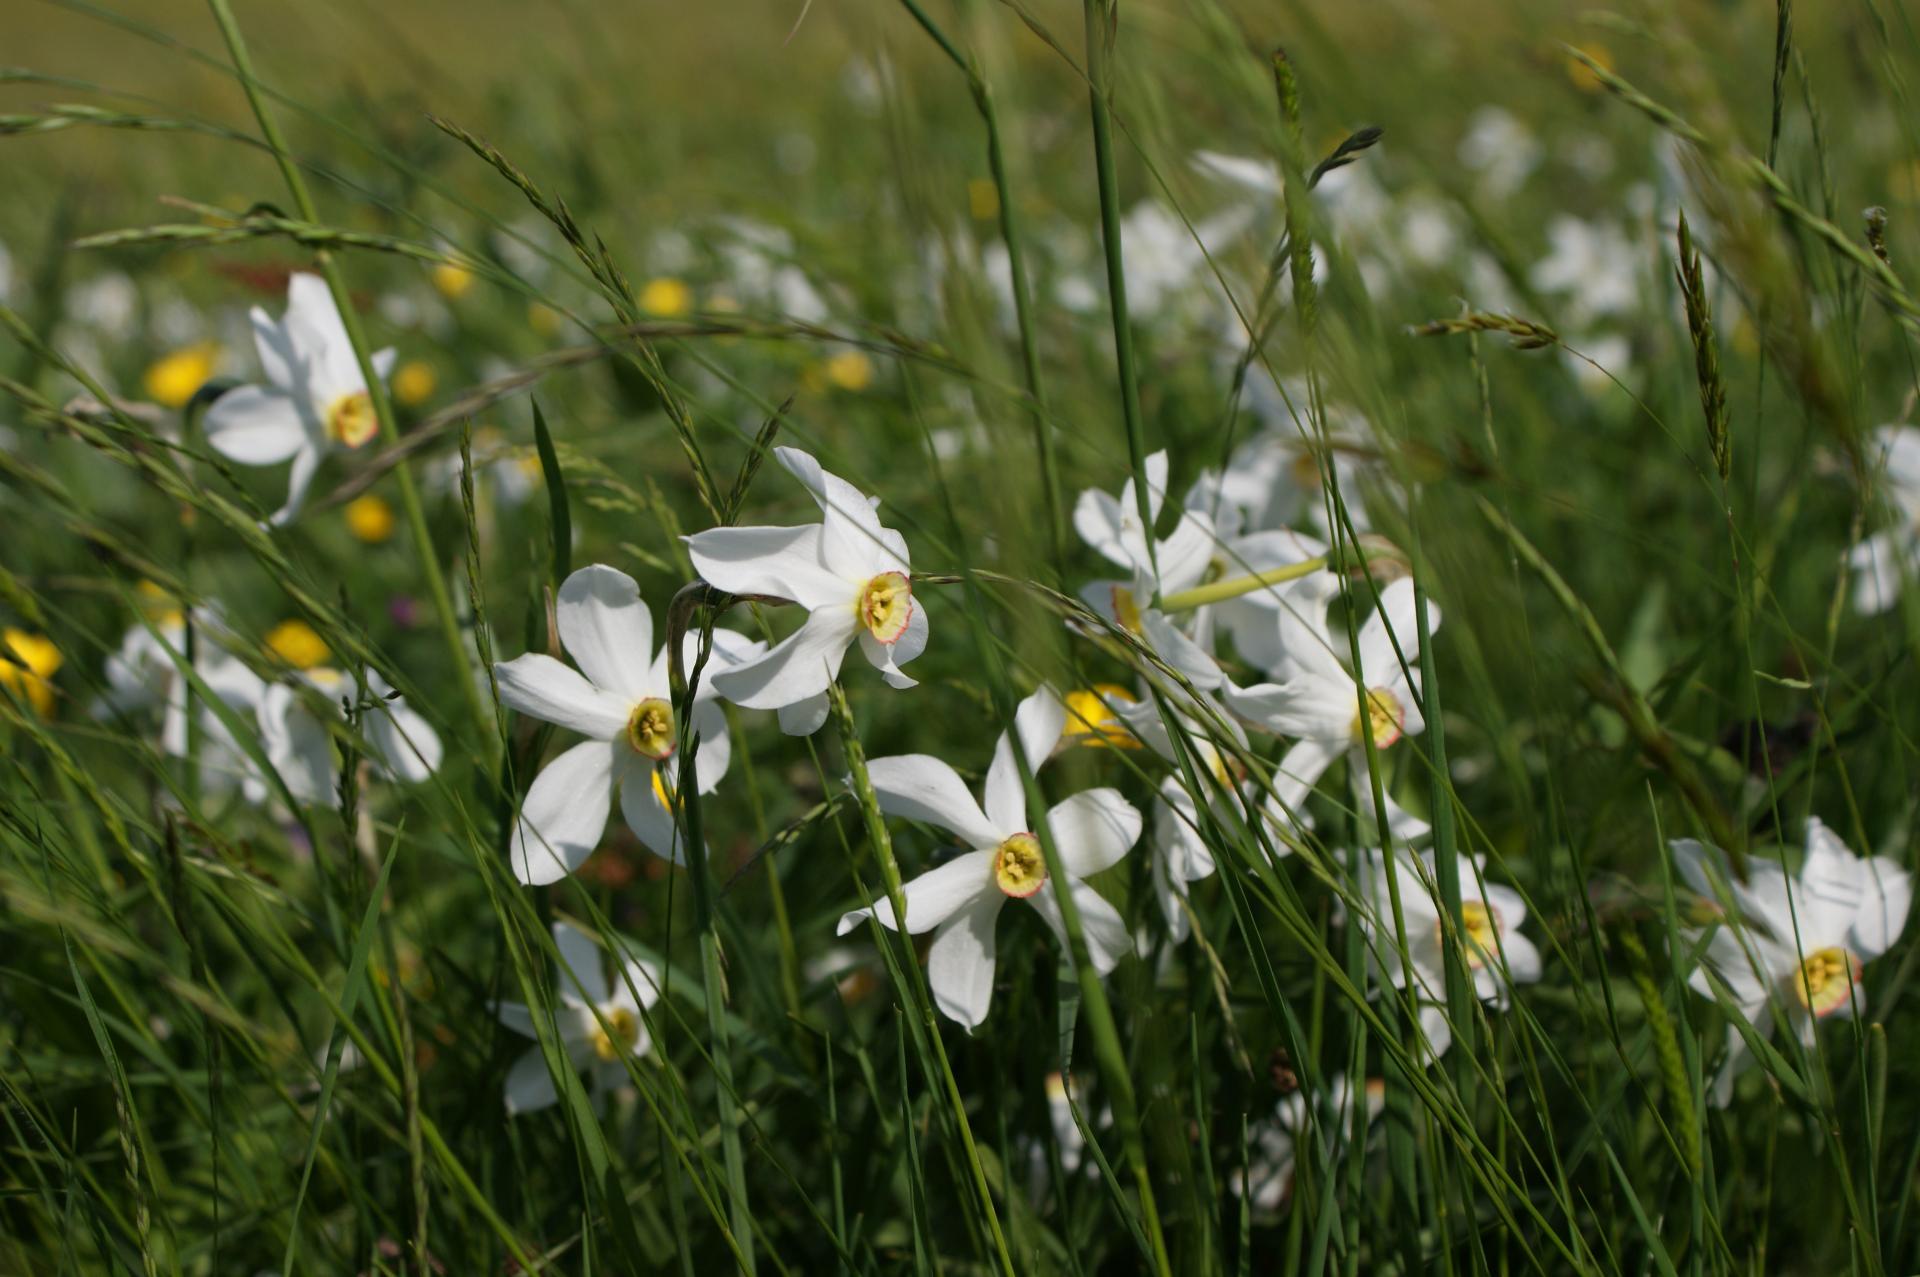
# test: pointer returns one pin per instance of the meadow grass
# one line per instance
(1408, 507)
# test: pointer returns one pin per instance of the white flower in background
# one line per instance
(619, 699)
(1879, 563)
(1254, 176)
(960, 901)
(759, 261)
(315, 400)
(600, 1025)
(1270, 1162)
(1594, 264)
(1794, 945)
(1501, 149)
(1067, 1135)
(850, 574)
(142, 674)
(1180, 854)
(107, 303)
(1497, 956)
(399, 743)
(1315, 698)
(1165, 259)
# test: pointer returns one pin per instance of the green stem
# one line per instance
(376, 388)
(1234, 587)
(1101, 18)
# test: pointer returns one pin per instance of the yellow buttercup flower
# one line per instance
(296, 643)
(173, 379)
(413, 382)
(1582, 75)
(666, 297)
(370, 519)
(29, 661)
(983, 199)
(850, 370)
(1092, 722)
(454, 282)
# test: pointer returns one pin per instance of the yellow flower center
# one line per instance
(1091, 720)
(1126, 609)
(350, 419)
(1019, 868)
(1480, 926)
(668, 798)
(650, 729)
(1387, 715)
(296, 643)
(1825, 980)
(618, 1036)
(886, 605)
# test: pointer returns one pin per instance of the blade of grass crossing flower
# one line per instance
(560, 525)
(416, 518)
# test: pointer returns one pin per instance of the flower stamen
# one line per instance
(1019, 868)
(1824, 982)
(617, 1036)
(650, 729)
(350, 419)
(885, 606)
(1388, 715)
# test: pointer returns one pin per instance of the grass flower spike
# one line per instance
(620, 701)
(600, 1024)
(1793, 946)
(851, 574)
(960, 901)
(315, 400)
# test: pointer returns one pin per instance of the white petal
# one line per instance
(306, 463)
(1098, 519)
(1298, 771)
(1038, 722)
(781, 563)
(282, 364)
(582, 980)
(537, 685)
(1310, 708)
(800, 666)
(607, 630)
(255, 426)
(1878, 571)
(1093, 829)
(889, 657)
(529, 1085)
(1395, 616)
(640, 804)
(1523, 959)
(564, 813)
(1100, 924)
(934, 896)
(716, 747)
(298, 746)
(1172, 645)
(804, 717)
(852, 545)
(921, 787)
(399, 739)
(960, 962)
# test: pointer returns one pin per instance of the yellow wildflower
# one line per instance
(29, 661)
(296, 643)
(174, 378)
(667, 298)
(370, 519)
(413, 382)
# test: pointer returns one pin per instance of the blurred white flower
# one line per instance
(142, 674)
(1501, 149)
(399, 743)
(1497, 956)
(1593, 263)
(315, 399)
(1270, 1164)
(1796, 945)
(850, 573)
(1881, 562)
(621, 702)
(960, 901)
(600, 1024)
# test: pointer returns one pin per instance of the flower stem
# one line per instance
(1234, 587)
(376, 388)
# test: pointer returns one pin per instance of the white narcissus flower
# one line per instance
(1316, 699)
(1180, 854)
(1111, 525)
(399, 743)
(1270, 1163)
(1496, 955)
(1884, 559)
(600, 1025)
(851, 575)
(1798, 945)
(619, 699)
(315, 399)
(960, 901)
(142, 674)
